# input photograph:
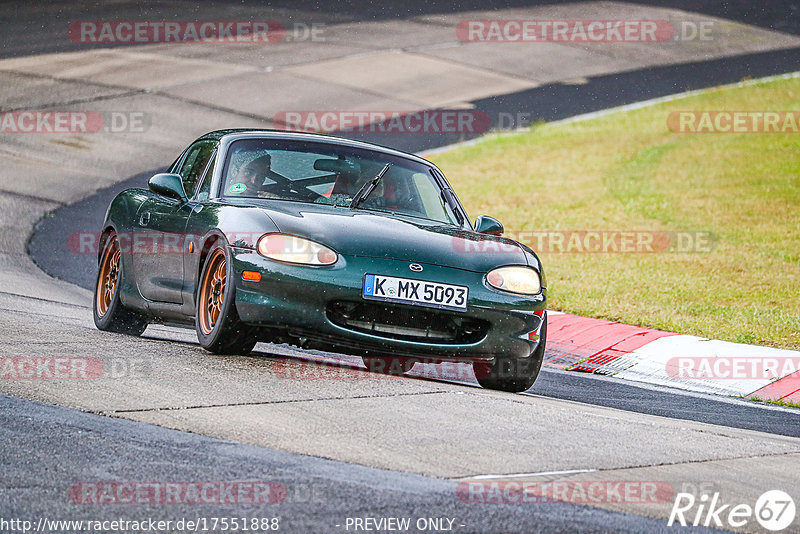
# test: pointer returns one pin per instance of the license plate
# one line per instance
(420, 292)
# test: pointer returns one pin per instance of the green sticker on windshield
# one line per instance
(237, 188)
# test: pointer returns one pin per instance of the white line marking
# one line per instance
(542, 474)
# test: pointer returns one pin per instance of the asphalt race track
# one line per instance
(348, 444)
(318, 492)
(48, 250)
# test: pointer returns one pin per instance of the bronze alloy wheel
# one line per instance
(219, 328)
(212, 291)
(108, 278)
(109, 312)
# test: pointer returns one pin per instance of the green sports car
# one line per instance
(322, 242)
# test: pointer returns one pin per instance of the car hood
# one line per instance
(365, 233)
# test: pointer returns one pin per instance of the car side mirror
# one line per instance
(169, 185)
(488, 225)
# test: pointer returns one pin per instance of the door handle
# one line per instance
(144, 220)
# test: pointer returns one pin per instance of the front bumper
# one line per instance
(296, 301)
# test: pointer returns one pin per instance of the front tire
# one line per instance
(219, 329)
(109, 313)
(513, 374)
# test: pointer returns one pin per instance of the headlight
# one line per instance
(292, 249)
(516, 279)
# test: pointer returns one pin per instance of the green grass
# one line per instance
(776, 402)
(628, 171)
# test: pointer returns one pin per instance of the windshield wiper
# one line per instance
(367, 188)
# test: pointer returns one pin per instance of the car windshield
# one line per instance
(324, 173)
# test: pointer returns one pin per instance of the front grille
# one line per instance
(407, 323)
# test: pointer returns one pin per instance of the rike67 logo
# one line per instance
(774, 510)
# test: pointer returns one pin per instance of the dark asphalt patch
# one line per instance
(319, 493)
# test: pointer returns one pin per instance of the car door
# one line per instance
(159, 244)
(201, 219)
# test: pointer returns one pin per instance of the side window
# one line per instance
(205, 186)
(196, 159)
(175, 167)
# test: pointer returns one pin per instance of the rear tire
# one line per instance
(109, 313)
(388, 365)
(219, 329)
(512, 374)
